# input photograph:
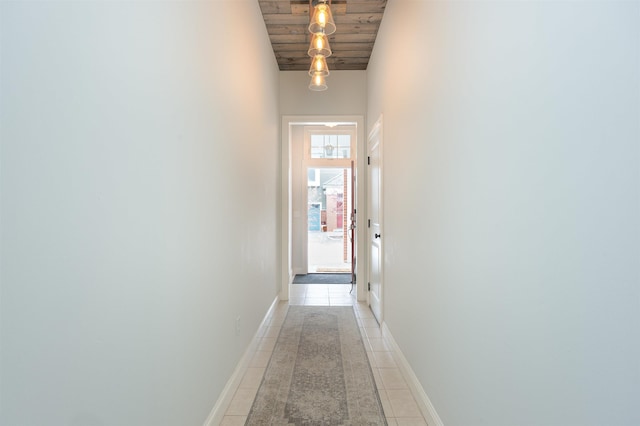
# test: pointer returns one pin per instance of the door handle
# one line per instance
(376, 236)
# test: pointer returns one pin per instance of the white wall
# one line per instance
(346, 95)
(138, 207)
(512, 206)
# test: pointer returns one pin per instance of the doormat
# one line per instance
(318, 374)
(322, 279)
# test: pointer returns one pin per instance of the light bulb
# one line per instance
(322, 16)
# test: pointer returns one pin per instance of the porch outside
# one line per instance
(326, 252)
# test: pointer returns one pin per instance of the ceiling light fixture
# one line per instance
(319, 65)
(318, 82)
(320, 26)
(319, 45)
(322, 19)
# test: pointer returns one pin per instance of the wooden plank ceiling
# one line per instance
(357, 23)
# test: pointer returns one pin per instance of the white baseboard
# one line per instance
(220, 408)
(284, 291)
(424, 403)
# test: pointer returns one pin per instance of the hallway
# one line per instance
(399, 405)
(147, 214)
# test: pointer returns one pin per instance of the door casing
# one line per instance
(284, 196)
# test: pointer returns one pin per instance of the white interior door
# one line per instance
(375, 278)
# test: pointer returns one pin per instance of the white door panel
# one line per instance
(375, 277)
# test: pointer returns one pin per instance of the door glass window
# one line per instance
(330, 146)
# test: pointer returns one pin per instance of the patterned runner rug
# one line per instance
(318, 374)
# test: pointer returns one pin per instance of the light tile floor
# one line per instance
(399, 405)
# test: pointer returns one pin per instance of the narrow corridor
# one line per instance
(398, 403)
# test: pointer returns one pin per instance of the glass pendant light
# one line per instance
(319, 45)
(322, 19)
(318, 83)
(319, 66)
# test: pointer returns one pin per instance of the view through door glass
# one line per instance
(329, 207)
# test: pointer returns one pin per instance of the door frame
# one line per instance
(308, 162)
(285, 198)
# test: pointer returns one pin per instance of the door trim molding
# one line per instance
(286, 272)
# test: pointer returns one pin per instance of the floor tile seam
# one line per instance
(258, 379)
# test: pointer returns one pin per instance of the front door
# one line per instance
(374, 146)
